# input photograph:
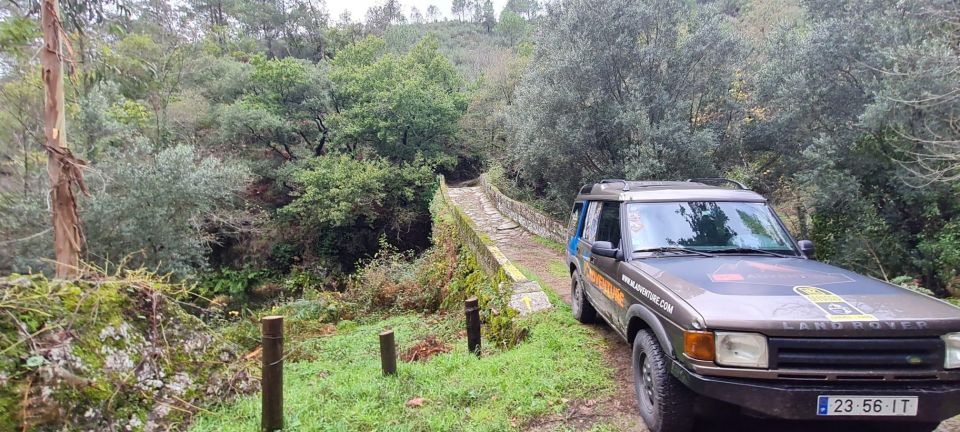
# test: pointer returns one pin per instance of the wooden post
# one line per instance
(388, 353)
(272, 375)
(63, 170)
(472, 307)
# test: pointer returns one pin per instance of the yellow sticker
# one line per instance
(836, 308)
(818, 295)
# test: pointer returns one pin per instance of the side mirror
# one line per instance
(605, 249)
(807, 248)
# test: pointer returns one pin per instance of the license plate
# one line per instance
(867, 405)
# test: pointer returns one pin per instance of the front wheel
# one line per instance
(583, 311)
(666, 405)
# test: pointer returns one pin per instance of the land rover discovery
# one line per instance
(720, 303)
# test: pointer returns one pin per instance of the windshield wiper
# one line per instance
(740, 250)
(674, 249)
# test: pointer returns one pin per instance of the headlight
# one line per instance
(743, 349)
(951, 358)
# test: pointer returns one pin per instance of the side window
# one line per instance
(574, 220)
(590, 223)
(608, 229)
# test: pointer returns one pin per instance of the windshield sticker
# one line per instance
(836, 308)
(758, 273)
(650, 295)
(605, 286)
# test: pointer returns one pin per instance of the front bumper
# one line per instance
(938, 400)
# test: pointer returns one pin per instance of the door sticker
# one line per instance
(836, 308)
(605, 286)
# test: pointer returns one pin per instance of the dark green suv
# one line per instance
(722, 304)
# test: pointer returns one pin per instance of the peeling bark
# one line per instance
(63, 169)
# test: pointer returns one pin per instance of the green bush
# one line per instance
(162, 210)
(942, 253)
(342, 206)
(230, 282)
(441, 278)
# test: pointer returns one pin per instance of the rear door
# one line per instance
(574, 228)
(587, 234)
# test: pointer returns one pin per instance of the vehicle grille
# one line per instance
(857, 355)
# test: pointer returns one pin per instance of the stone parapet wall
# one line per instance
(524, 215)
(527, 296)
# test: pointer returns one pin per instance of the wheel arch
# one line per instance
(639, 317)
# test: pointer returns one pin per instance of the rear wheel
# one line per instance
(583, 311)
(666, 405)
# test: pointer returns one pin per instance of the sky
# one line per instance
(358, 8)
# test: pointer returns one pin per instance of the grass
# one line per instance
(558, 269)
(549, 243)
(343, 390)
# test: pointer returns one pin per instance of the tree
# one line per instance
(525, 8)
(475, 8)
(65, 170)
(155, 71)
(283, 109)
(400, 106)
(918, 96)
(615, 89)
(489, 16)
(384, 14)
(483, 133)
(511, 27)
(433, 13)
(164, 210)
(329, 220)
(415, 15)
(458, 8)
(831, 116)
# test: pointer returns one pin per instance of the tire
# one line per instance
(666, 405)
(583, 311)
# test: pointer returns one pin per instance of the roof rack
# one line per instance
(626, 184)
(706, 180)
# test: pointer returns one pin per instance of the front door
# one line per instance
(603, 224)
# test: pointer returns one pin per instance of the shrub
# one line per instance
(162, 210)
(343, 206)
(441, 278)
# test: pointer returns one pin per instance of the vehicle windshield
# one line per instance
(707, 226)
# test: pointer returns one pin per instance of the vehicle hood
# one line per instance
(796, 296)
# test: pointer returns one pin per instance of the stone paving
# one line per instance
(515, 242)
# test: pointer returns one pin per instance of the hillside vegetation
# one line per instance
(247, 157)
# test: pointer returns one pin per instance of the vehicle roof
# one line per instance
(663, 191)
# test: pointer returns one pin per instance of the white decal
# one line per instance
(662, 303)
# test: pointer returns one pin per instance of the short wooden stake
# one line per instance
(388, 353)
(472, 307)
(272, 374)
